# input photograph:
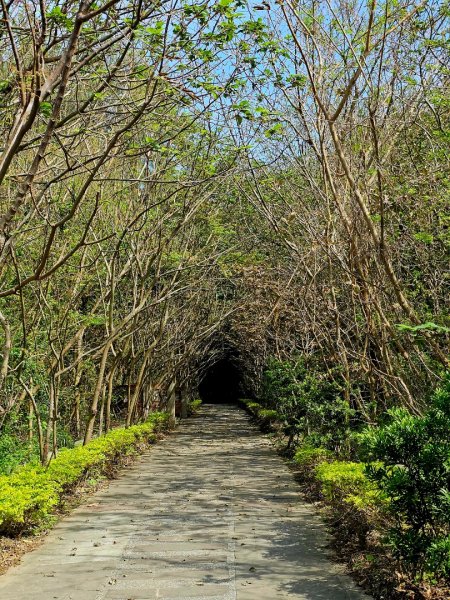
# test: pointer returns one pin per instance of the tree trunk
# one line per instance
(96, 398)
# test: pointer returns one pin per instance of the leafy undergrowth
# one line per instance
(31, 495)
(268, 419)
(194, 406)
(360, 511)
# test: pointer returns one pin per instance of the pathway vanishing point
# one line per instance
(210, 513)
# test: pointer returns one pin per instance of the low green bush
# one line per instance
(310, 403)
(305, 460)
(15, 452)
(267, 417)
(26, 497)
(268, 414)
(308, 456)
(356, 504)
(29, 495)
(437, 557)
(194, 406)
(252, 406)
(348, 482)
(414, 473)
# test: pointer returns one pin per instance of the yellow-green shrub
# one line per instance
(356, 503)
(30, 494)
(26, 496)
(252, 407)
(194, 406)
(268, 414)
(308, 456)
(267, 417)
(259, 411)
(347, 481)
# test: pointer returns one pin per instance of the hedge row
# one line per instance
(265, 416)
(30, 494)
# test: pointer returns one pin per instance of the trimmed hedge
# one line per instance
(347, 482)
(29, 495)
(266, 416)
(309, 457)
(252, 406)
(355, 504)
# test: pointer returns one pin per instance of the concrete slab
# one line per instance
(211, 513)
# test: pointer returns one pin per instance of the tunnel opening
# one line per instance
(221, 383)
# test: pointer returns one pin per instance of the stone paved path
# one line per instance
(211, 513)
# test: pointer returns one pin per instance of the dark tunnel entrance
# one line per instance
(221, 384)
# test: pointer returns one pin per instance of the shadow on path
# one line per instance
(211, 513)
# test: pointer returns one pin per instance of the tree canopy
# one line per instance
(182, 178)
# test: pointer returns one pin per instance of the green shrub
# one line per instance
(268, 414)
(28, 496)
(415, 475)
(308, 456)
(356, 503)
(267, 418)
(194, 406)
(252, 406)
(348, 482)
(281, 390)
(14, 452)
(309, 402)
(437, 557)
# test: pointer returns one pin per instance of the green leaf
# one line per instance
(424, 237)
(428, 326)
(46, 108)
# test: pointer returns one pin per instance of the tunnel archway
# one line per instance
(221, 383)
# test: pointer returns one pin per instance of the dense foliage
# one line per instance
(182, 179)
(415, 475)
(311, 403)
